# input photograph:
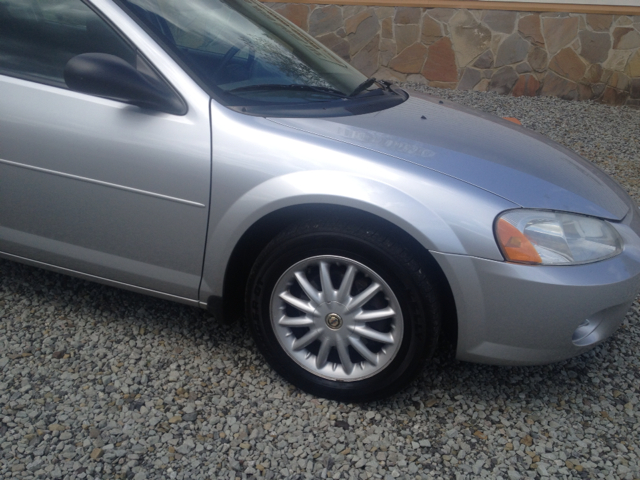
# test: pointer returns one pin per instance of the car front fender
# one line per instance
(433, 212)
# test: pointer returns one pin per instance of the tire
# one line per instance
(355, 344)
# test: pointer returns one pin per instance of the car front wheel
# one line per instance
(342, 310)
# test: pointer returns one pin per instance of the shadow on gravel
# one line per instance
(198, 329)
(601, 371)
(108, 304)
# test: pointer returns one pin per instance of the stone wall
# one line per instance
(573, 56)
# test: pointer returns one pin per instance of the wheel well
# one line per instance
(261, 232)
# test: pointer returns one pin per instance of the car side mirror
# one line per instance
(109, 76)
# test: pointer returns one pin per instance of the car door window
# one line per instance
(39, 37)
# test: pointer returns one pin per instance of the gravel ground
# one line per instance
(101, 383)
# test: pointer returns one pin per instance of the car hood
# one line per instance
(481, 149)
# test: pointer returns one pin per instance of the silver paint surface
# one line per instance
(104, 184)
(94, 214)
(482, 150)
(156, 203)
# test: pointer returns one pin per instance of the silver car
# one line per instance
(211, 153)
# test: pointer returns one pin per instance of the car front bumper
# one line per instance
(511, 314)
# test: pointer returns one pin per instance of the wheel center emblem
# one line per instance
(334, 322)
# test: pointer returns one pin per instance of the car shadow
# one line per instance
(194, 331)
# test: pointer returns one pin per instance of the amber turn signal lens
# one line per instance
(515, 246)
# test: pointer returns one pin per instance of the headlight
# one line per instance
(554, 238)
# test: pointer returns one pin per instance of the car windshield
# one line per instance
(249, 57)
(246, 53)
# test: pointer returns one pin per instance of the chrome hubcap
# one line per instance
(336, 318)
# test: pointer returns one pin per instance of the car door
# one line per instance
(90, 184)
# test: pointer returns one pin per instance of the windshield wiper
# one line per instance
(291, 87)
(367, 83)
(363, 86)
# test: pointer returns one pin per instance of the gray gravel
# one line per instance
(101, 383)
